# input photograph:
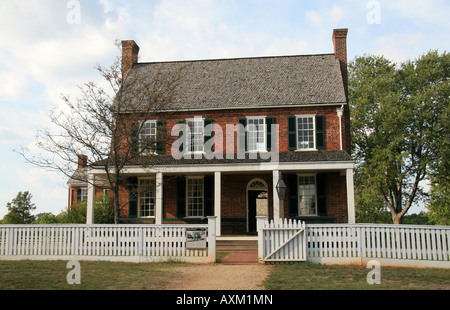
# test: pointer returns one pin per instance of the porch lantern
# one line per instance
(281, 188)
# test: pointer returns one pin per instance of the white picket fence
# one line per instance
(397, 245)
(130, 243)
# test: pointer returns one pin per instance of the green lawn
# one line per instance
(51, 275)
(307, 276)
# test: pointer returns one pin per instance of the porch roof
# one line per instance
(248, 158)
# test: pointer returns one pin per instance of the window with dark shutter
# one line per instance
(269, 133)
(320, 132)
(181, 197)
(321, 194)
(209, 195)
(242, 135)
(292, 133)
(161, 137)
(134, 138)
(133, 197)
(293, 196)
(207, 136)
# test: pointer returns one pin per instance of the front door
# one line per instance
(252, 204)
(256, 203)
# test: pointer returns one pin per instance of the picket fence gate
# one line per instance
(283, 241)
(397, 245)
(129, 243)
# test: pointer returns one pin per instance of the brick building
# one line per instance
(271, 119)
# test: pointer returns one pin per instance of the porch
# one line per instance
(236, 192)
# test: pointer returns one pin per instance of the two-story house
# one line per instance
(271, 121)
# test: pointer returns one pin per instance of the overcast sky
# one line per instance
(48, 47)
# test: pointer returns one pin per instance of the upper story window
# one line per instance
(256, 128)
(147, 137)
(255, 134)
(306, 132)
(196, 134)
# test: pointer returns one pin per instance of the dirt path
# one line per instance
(220, 277)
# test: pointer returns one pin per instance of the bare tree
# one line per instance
(105, 125)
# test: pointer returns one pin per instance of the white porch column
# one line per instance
(90, 199)
(159, 198)
(276, 199)
(350, 197)
(217, 200)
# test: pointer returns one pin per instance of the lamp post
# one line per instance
(281, 191)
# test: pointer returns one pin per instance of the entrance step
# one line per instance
(224, 244)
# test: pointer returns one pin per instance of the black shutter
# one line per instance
(133, 197)
(181, 197)
(183, 145)
(161, 137)
(79, 195)
(242, 135)
(269, 133)
(208, 183)
(206, 137)
(293, 195)
(320, 132)
(134, 138)
(321, 195)
(292, 133)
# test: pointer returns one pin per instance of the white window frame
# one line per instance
(262, 146)
(191, 138)
(143, 136)
(297, 129)
(151, 197)
(84, 194)
(300, 195)
(189, 196)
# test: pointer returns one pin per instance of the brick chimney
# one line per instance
(130, 55)
(340, 52)
(82, 161)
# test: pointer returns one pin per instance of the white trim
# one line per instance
(189, 141)
(218, 200)
(264, 149)
(187, 196)
(209, 168)
(139, 197)
(141, 127)
(248, 189)
(350, 196)
(313, 116)
(315, 194)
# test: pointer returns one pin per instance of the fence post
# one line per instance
(260, 220)
(212, 238)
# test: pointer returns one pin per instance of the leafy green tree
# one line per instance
(76, 214)
(396, 119)
(19, 210)
(46, 218)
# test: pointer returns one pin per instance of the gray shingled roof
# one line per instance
(284, 157)
(252, 82)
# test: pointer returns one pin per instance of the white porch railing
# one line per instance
(397, 245)
(131, 243)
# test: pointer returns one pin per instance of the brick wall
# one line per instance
(222, 118)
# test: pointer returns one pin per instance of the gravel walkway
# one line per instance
(238, 271)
